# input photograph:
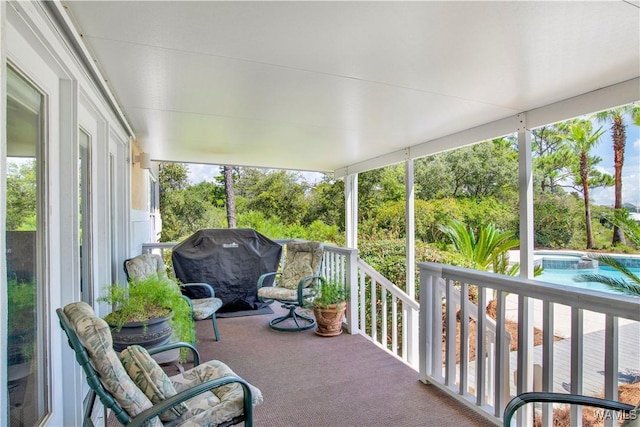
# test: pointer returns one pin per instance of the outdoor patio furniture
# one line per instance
(136, 389)
(145, 265)
(294, 286)
(573, 399)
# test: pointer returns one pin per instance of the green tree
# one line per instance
(183, 211)
(274, 193)
(21, 195)
(619, 138)
(551, 157)
(326, 203)
(489, 168)
(583, 139)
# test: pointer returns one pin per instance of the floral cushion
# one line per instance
(303, 259)
(95, 335)
(205, 307)
(144, 266)
(151, 379)
(215, 407)
(282, 294)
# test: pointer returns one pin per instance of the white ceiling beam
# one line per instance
(602, 99)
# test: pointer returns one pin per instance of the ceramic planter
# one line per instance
(329, 319)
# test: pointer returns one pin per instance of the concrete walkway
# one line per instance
(593, 355)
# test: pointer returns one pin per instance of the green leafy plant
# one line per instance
(146, 299)
(329, 293)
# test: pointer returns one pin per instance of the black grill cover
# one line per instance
(230, 260)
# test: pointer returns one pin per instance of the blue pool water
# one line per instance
(567, 271)
(565, 277)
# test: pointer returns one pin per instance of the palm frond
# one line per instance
(618, 284)
(618, 266)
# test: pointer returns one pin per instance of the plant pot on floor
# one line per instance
(329, 319)
(148, 334)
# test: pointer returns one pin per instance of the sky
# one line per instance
(599, 196)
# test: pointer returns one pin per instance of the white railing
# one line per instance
(438, 288)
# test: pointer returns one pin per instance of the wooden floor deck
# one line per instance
(314, 381)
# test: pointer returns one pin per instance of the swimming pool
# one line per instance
(562, 267)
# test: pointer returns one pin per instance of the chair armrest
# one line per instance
(304, 283)
(198, 289)
(547, 397)
(139, 419)
(262, 278)
(173, 345)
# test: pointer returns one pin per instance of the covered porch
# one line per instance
(334, 87)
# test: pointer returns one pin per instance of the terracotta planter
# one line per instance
(149, 334)
(329, 319)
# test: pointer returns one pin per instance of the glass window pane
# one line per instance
(25, 346)
(84, 163)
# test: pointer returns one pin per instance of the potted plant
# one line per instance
(148, 312)
(329, 306)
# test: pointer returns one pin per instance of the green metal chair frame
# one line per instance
(573, 399)
(83, 359)
(208, 287)
(302, 321)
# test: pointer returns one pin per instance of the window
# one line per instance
(26, 343)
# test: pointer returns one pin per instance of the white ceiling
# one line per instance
(324, 85)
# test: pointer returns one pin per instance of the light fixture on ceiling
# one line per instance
(144, 159)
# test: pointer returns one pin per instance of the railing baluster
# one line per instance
(611, 363)
(547, 359)
(480, 347)
(501, 357)
(450, 334)
(374, 310)
(363, 312)
(384, 312)
(394, 331)
(577, 340)
(464, 339)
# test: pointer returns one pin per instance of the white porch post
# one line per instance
(351, 208)
(351, 229)
(525, 304)
(410, 227)
(3, 203)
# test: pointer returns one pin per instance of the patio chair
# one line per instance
(294, 287)
(137, 390)
(145, 265)
(632, 414)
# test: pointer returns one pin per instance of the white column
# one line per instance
(525, 305)
(351, 209)
(410, 227)
(525, 186)
(351, 229)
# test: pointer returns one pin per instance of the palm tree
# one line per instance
(630, 282)
(583, 139)
(619, 138)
